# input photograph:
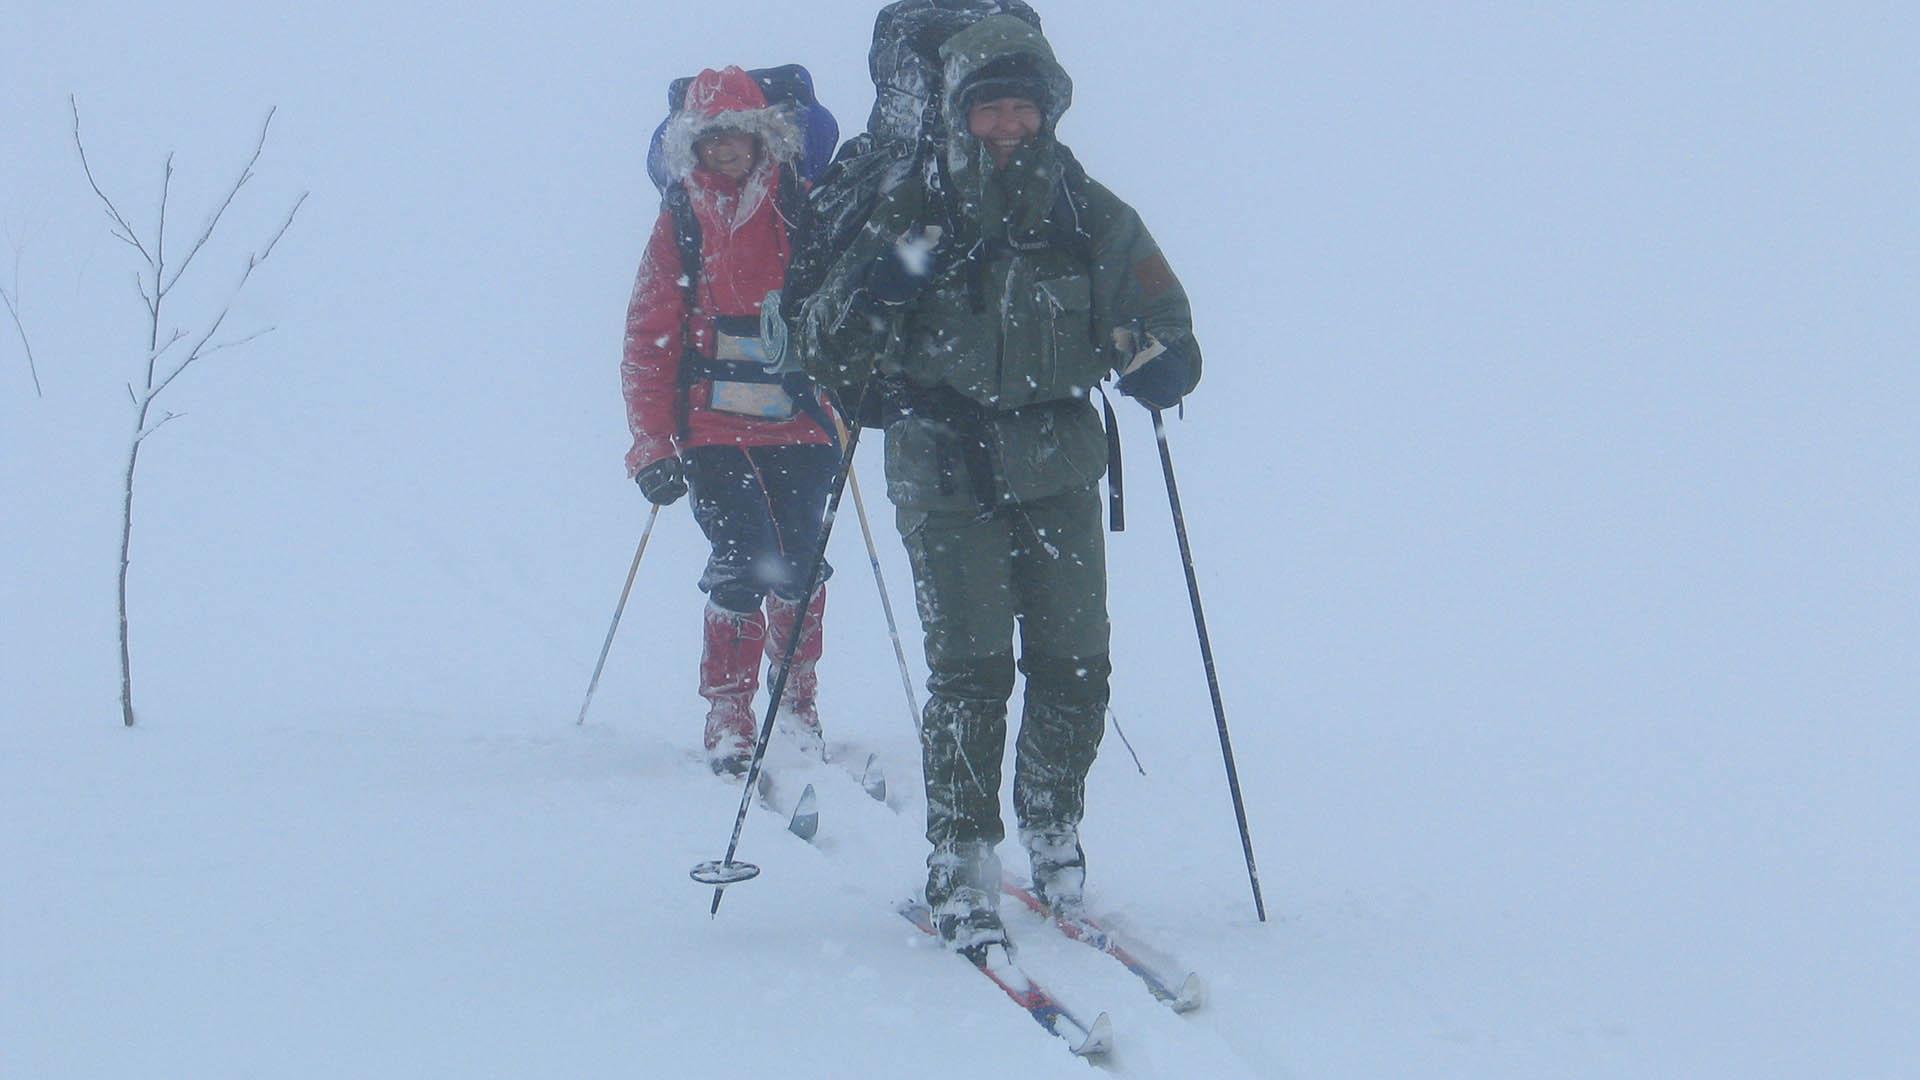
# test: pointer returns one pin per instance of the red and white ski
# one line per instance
(1191, 992)
(1086, 1040)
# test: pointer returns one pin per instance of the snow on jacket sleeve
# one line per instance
(650, 364)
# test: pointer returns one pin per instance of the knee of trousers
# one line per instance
(972, 680)
(1068, 681)
(787, 577)
(739, 585)
(741, 597)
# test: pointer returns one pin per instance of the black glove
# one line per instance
(901, 271)
(1163, 380)
(663, 482)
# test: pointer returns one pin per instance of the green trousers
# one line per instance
(1040, 565)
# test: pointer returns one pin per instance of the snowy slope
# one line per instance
(1552, 487)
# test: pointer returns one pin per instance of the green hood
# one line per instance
(1017, 198)
(996, 38)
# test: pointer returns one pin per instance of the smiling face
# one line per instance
(729, 153)
(1003, 124)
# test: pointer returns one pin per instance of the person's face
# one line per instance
(1003, 124)
(729, 153)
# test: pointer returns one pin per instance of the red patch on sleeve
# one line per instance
(1155, 276)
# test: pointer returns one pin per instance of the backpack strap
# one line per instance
(791, 207)
(686, 237)
(1068, 222)
(1116, 489)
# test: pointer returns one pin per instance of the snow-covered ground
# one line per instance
(1552, 487)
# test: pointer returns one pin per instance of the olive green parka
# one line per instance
(1037, 269)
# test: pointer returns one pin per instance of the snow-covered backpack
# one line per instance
(905, 131)
(906, 141)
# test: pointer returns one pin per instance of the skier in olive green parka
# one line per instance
(998, 302)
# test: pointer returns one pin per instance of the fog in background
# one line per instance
(1552, 482)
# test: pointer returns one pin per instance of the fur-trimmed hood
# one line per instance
(730, 100)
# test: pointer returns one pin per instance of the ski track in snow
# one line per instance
(410, 899)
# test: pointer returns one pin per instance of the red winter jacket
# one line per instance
(744, 253)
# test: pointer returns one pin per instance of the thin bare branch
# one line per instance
(161, 350)
(237, 342)
(14, 310)
(200, 346)
(153, 358)
(160, 231)
(142, 437)
(213, 222)
(127, 232)
(284, 226)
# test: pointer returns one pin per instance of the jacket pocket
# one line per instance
(1069, 360)
(925, 466)
(1051, 448)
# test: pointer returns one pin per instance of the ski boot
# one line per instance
(1059, 866)
(963, 892)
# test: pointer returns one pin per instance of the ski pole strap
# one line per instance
(1116, 482)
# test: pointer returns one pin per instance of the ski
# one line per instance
(1047, 1011)
(802, 812)
(865, 771)
(1189, 995)
(858, 764)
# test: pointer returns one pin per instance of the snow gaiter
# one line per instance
(729, 674)
(963, 735)
(799, 709)
(1064, 717)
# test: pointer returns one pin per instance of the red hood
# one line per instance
(727, 90)
(727, 98)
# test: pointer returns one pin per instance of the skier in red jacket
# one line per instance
(708, 416)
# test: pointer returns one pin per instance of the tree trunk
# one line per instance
(126, 549)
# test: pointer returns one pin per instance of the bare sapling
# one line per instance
(12, 302)
(156, 277)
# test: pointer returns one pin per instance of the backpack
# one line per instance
(905, 130)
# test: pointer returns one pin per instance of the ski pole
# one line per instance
(1206, 657)
(723, 872)
(886, 603)
(652, 517)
